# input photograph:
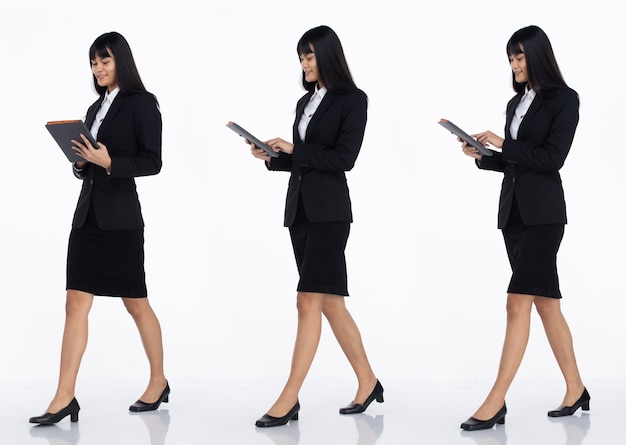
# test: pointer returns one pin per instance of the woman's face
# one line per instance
(309, 66)
(104, 71)
(518, 65)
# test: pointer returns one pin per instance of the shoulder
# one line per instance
(356, 95)
(559, 100)
(513, 101)
(351, 98)
(143, 99)
(94, 106)
(303, 99)
(564, 95)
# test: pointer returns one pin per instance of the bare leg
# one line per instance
(518, 309)
(150, 332)
(560, 339)
(349, 338)
(77, 307)
(307, 339)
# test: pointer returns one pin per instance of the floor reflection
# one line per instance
(369, 429)
(157, 422)
(283, 435)
(492, 436)
(57, 435)
(575, 427)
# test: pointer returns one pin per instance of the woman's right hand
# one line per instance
(488, 138)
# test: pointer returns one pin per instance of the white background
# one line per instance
(427, 266)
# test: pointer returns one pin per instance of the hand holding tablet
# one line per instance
(64, 132)
(256, 141)
(465, 137)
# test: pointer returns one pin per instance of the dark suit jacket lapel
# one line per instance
(534, 106)
(509, 114)
(323, 106)
(299, 110)
(115, 107)
(91, 113)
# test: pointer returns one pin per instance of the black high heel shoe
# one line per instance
(268, 421)
(355, 408)
(140, 406)
(473, 424)
(582, 402)
(49, 418)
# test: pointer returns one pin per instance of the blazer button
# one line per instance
(514, 180)
(300, 178)
(91, 182)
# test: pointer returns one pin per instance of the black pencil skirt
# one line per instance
(319, 249)
(106, 262)
(532, 253)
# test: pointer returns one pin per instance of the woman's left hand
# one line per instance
(279, 144)
(99, 156)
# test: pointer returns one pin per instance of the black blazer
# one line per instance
(131, 131)
(318, 164)
(531, 163)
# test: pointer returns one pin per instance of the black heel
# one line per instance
(474, 424)
(140, 406)
(49, 418)
(582, 402)
(585, 406)
(355, 408)
(268, 421)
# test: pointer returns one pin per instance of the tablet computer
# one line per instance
(64, 131)
(465, 137)
(256, 141)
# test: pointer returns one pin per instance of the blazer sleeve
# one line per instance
(550, 153)
(343, 154)
(282, 163)
(493, 162)
(147, 124)
(80, 174)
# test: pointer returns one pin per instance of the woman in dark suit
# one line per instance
(327, 134)
(105, 253)
(541, 120)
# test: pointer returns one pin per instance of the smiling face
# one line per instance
(103, 69)
(518, 65)
(308, 63)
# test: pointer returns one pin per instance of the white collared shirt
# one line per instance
(109, 97)
(520, 112)
(309, 110)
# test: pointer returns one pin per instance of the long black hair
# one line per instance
(331, 62)
(541, 66)
(114, 44)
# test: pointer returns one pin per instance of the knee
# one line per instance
(548, 307)
(333, 307)
(518, 305)
(308, 303)
(77, 303)
(135, 306)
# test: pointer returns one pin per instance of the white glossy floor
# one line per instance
(223, 412)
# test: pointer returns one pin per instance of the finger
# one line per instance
(78, 144)
(86, 141)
